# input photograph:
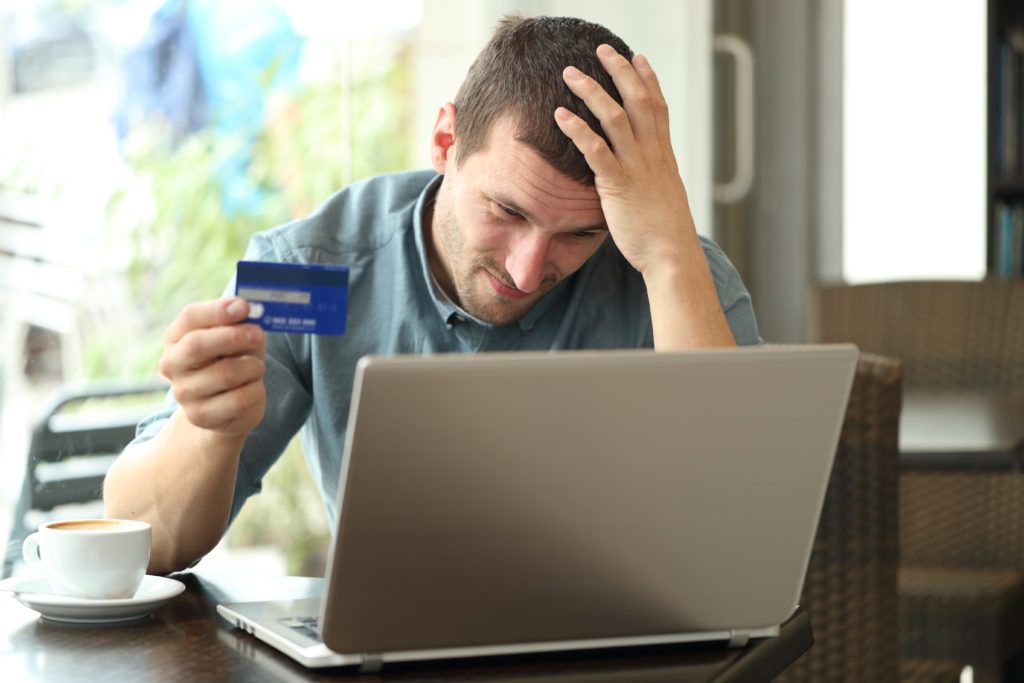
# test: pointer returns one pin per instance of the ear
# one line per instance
(442, 140)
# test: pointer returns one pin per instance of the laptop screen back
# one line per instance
(523, 498)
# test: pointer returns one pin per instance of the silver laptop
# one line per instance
(528, 502)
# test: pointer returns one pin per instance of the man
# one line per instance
(557, 140)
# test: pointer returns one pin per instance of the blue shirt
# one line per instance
(395, 306)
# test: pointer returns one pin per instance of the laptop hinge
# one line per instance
(371, 664)
(738, 638)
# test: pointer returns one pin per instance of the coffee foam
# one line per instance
(90, 525)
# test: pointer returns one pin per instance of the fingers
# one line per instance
(201, 347)
(636, 97)
(222, 376)
(231, 412)
(594, 149)
(216, 365)
(659, 105)
(206, 314)
(634, 122)
(614, 119)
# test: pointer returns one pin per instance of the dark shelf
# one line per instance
(1004, 17)
(1010, 187)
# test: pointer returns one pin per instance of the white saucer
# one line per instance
(34, 592)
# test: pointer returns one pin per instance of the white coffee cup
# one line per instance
(91, 558)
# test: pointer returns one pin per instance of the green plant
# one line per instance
(185, 242)
(287, 514)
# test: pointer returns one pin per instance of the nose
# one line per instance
(526, 261)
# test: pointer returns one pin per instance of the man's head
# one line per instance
(518, 75)
(517, 210)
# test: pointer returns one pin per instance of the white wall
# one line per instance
(675, 36)
(914, 140)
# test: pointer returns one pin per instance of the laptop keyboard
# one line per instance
(307, 626)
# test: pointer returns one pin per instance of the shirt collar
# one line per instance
(451, 313)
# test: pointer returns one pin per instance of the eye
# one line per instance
(585, 234)
(510, 212)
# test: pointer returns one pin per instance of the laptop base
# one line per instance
(273, 621)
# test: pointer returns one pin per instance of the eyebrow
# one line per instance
(505, 202)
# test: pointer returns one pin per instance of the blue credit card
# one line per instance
(292, 297)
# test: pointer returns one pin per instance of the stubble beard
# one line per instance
(466, 276)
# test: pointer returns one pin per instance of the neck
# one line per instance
(435, 260)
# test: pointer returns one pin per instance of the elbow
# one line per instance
(175, 551)
(161, 564)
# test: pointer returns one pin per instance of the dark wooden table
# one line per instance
(186, 640)
(962, 431)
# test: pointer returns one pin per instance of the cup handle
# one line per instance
(30, 553)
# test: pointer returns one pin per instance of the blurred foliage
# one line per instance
(185, 243)
(288, 514)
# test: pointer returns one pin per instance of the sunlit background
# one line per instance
(914, 140)
(143, 141)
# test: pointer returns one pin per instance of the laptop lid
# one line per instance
(503, 499)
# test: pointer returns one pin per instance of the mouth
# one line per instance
(502, 289)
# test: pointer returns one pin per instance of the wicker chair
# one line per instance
(850, 589)
(961, 580)
(949, 336)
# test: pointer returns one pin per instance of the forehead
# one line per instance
(509, 170)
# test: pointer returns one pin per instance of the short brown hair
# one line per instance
(519, 73)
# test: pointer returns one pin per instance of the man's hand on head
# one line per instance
(637, 178)
(644, 201)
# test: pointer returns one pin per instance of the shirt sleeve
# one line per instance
(289, 400)
(732, 295)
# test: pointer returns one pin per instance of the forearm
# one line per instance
(182, 483)
(685, 310)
